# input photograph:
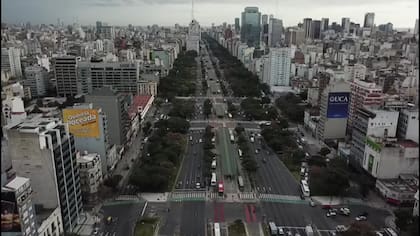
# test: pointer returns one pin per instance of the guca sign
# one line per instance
(83, 123)
(338, 105)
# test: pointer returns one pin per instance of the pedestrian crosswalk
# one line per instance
(247, 196)
(188, 196)
(281, 198)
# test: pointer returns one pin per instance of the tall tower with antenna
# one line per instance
(194, 33)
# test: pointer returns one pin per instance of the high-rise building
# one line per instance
(379, 123)
(334, 105)
(194, 36)
(115, 106)
(265, 30)
(316, 29)
(307, 24)
(123, 76)
(369, 20)
(408, 125)
(10, 61)
(89, 127)
(294, 36)
(36, 78)
(106, 32)
(18, 211)
(251, 26)
(275, 32)
(90, 175)
(363, 94)
(237, 25)
(264, 19)
(43, 150)
(276, 67)
(345, 24)
(65, 74)
(324, 24)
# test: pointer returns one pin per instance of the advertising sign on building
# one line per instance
(10, 220)
(338, 105)
(83, 123)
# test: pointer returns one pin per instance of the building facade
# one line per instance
(16, 200)
(43, 150)
(194, 37)
(275, 32)
(251, 26)
(363, 94)
(369, 20)
(334, 111)
(115, 107)
(65, 75)
(90, 175)
(367, 122)
(276, 68)
(36, 78)
(123, 76)
(408, 125)
(10, 61)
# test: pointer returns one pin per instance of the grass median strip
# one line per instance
(237, 228)
(146, 227)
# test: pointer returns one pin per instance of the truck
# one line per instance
(309, 231)
(273, 228)
(213, 164)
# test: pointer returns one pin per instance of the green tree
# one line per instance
(146, 128)
(403, 218)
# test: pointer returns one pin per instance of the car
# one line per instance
(95, 232)
(312, 203)
(197, 185)
(264, 160)
(200, 140)
(256, 151)
(331, 213)
(300, 147)
(379, 233)
(361, 218)
(341, 228)
(345, 211)
(280, 231)
(289, 233)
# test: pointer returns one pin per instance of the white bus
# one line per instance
(213, 179)
(305, 188)
(217, 229)
(240, 152)
(241, 182)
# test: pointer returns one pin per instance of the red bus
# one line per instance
(221, 188)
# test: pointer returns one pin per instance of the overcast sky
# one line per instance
(402, 13)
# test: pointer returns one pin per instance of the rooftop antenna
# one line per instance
(192, 10)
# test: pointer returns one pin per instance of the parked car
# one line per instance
(331, 212)
(361, 218)
(341, 228)
(312, 203)
(345, 211)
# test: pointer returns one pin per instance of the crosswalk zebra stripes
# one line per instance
(180, 196)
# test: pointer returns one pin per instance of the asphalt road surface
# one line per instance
(272, 175)
(124, 218)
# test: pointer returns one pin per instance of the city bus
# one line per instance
(213, 179)
(241, 183)
(221, 188)
(217, 229)
(305, 188)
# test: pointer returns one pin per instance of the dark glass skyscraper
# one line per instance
(251, 26)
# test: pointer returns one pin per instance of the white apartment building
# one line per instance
(354, 72)
(10, 61)
(408, 124)
(276, 68)
(36, 78)
(387, 158)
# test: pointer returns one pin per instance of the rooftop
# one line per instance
(402, 185)
(139, 102)
(16, 183)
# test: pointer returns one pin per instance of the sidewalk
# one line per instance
(155, 197)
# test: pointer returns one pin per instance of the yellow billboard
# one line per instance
(83, 123)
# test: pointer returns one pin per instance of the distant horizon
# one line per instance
(402, 14)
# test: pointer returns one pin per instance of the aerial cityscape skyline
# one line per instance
(209, 118)
(401, 14)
